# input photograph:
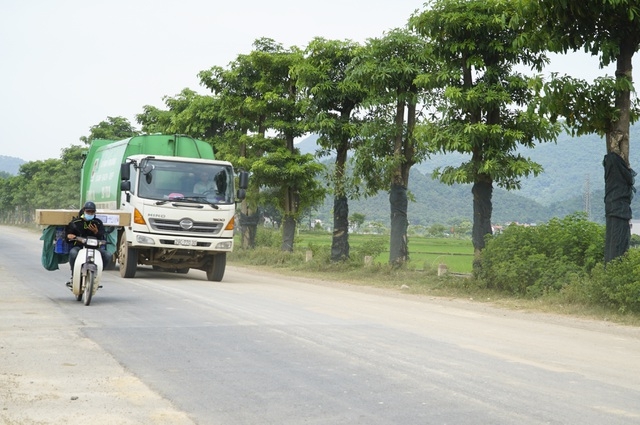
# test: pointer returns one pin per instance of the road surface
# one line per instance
(259, 348)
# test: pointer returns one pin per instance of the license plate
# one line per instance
(186, 242)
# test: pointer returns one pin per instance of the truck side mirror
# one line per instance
(125, 186)
(125, 171)
(243, 180)
(241, 194)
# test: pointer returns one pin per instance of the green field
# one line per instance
(424, 253)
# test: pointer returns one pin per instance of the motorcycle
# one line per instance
(87, 269)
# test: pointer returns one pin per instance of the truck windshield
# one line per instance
(167, 180)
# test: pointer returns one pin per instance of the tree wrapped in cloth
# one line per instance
(609, 29)
(619, 190)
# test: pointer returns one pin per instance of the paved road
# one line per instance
(260, 348)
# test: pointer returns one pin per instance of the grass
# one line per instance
(424, 253)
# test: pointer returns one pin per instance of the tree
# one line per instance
(609, 29)
(387, 148)
(52, 183)
(114, 128)
(487, 108)
(357, 220)
(266, 89)
(332, 103)
(243, 107)
(187, 113)
(436, 230)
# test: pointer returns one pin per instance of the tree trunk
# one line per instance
(398, 246)
(482, 208)
(340, 240)
(619, 177)
(290, 209)
(248, 221)
(288, 233)
(248, 227)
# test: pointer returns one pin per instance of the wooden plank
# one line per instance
(62, 217)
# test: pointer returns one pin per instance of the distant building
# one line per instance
(635, 227)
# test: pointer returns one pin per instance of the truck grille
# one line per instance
(199, 227)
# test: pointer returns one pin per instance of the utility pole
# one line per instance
(586, 196)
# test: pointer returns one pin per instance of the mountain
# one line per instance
(10, 164)
(571, 166)
(434, 202)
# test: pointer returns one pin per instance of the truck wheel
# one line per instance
(215, 271)
(128, 258)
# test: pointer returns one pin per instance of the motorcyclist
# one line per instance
(85, 225)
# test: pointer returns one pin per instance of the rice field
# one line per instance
(424, 253)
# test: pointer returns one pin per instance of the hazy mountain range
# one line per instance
(10, 164)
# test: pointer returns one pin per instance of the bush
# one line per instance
(618, 284)
(268, 238)
(372, 248)
(536, 260)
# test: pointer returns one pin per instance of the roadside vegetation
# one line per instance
(556, 267)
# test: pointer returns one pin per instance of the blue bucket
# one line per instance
(60, 245)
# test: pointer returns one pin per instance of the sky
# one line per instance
(66, 65)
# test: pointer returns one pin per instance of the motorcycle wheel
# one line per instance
(88, 287)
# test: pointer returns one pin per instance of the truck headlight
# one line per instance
(224, 245)
(144, 240)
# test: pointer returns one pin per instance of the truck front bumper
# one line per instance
(161, 241)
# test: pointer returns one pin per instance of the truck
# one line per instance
(172, 203)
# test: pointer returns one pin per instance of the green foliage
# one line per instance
(611, 30)
(371, 247)
(53, 183)
(617, 285)
(386, 147)
(114, 128)
(267, 238)
(356, 219)
(575, 100)
(187, 113)
(536, 260)
(599, 27)
(490, 115)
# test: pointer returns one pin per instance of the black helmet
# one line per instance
(89, 206)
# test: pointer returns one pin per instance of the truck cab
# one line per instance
(182, 213)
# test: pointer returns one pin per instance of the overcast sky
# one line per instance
(66, 65)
